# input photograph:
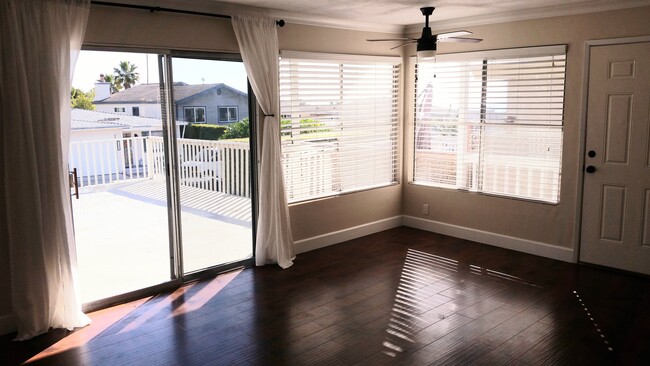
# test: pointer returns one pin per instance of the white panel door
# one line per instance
(616, 201)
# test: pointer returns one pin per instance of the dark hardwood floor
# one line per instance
(403, 296)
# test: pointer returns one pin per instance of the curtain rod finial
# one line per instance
(280, 23)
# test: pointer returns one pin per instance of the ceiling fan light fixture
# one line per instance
(426, 54)
(427, 48)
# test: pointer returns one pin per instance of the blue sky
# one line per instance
(92, 63)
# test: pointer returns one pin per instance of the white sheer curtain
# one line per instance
(258, 44)
(40, 40)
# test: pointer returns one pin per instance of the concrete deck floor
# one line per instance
(122, 235)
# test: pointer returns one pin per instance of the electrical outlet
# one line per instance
(425, 208)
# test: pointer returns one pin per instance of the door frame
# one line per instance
(176, 262)
(583, 127)
(178, 278)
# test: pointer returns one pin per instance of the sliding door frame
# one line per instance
(177, 275)
(252, 103)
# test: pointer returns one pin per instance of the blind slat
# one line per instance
(339, 126)
(512, 145)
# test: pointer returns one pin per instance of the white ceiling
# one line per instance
(398, 16)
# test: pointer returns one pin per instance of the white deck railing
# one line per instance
(221, 166)
(100, 162)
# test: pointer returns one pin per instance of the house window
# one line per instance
(194, 114)
(228, 114)
(135, 111)
(339, 126)
(119, 109)
(491, 122)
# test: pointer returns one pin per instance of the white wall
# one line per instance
(98, 134)
(146, 109)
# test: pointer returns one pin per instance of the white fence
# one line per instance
(221, 166)
(101, 162)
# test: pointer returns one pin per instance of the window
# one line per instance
(228, 114)
(491, 122)
(119, 109)
(194, 114)
(339, 125)
(135, 111)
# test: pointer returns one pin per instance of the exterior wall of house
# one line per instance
(213, 99)
(99, 134)
(146, 109)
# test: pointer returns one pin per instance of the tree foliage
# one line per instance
(125, 74)
(81, 100)
(204, 131)
(307, 126)
(240, 129)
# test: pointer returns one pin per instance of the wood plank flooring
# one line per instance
(403, 296)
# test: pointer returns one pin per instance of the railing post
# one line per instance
(149, 154)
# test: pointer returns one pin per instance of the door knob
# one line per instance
(590, 169)
(591, 154)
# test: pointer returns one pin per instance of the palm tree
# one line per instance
(115, 86)
(125, 75)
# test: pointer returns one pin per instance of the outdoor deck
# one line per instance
(122, 234)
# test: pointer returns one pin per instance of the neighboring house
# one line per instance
(204, 103)
(87, 123)
(103, 137)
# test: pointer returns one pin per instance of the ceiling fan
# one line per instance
(426, 44)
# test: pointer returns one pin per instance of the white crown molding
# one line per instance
(517, 15)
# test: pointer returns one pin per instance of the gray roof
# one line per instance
(83, 119)
(150, 93)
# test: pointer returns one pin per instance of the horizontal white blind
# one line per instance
(339, 125)
(492, 123)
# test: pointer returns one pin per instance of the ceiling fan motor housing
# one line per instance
(428, 41)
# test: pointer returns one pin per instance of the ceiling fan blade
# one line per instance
(454, 34)
(402, 45)
(462, 40)
(389, 39)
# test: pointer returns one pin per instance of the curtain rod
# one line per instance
(154, 9)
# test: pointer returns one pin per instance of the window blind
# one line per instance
(339, 125)
(491, 122)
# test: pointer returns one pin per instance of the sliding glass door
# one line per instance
(210, 104)
(161, 182)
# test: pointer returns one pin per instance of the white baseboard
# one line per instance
(498, 240)
(340, 236)
(7, 324)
